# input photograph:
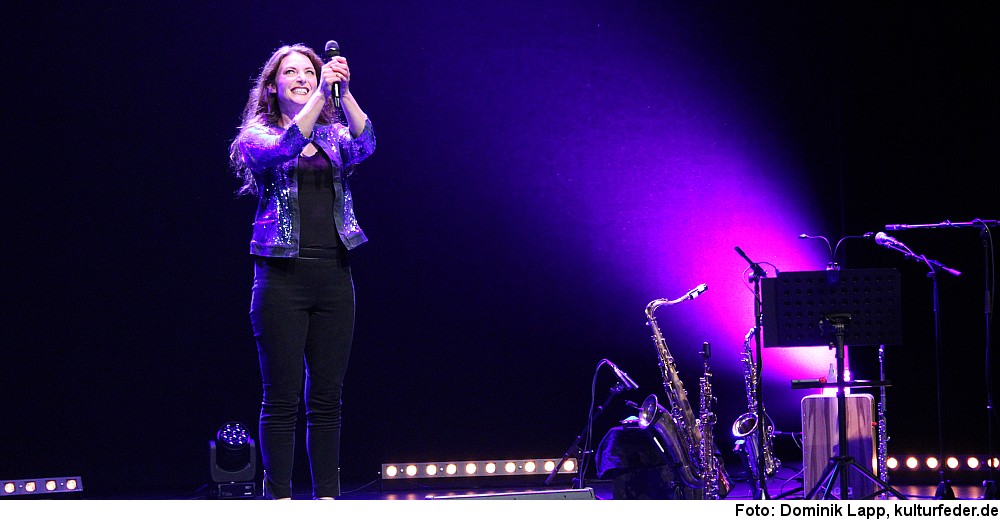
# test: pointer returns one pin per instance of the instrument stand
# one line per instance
(839, 465)
(578, 452)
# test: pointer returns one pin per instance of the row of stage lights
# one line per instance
(475, 468)
(37, 486)
(932, 463)
(480, 468)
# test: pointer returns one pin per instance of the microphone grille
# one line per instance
(332, 49)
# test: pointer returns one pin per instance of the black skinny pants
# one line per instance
(302, 312)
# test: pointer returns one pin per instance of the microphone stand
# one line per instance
(947, 223)
(758, 274)
(944, 489)
(989, 485)
(578, 452)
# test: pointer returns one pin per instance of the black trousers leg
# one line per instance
(302, 311)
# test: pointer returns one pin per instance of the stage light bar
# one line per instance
(952, 464)
(40, 486)
(474, 468)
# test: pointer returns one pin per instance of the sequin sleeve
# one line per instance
(266, 146)
(356, 149)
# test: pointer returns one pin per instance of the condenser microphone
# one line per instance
(623, 377)
(332, 51)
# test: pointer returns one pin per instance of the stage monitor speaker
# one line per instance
(820, 436)
(555, 494)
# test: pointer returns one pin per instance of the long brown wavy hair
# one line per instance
(262, 108)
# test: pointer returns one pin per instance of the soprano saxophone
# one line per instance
(677, 432)
(753, 436)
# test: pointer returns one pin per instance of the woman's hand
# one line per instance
(336, 71)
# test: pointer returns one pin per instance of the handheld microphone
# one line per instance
(887, 241)
(332, 51)
(622, 376)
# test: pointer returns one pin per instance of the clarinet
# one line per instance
(709, 475)
(883, 438)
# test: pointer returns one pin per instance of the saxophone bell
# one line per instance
(747, 442)
(744, 425)
(659, 424)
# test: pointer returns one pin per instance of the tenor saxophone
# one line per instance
(677, 432)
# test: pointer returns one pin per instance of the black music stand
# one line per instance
(860, 307)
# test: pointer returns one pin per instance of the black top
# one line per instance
(317, 229)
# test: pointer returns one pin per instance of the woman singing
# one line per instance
(295, 151)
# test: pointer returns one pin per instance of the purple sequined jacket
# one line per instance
(271, 153)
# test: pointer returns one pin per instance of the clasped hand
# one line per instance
(335, 71)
